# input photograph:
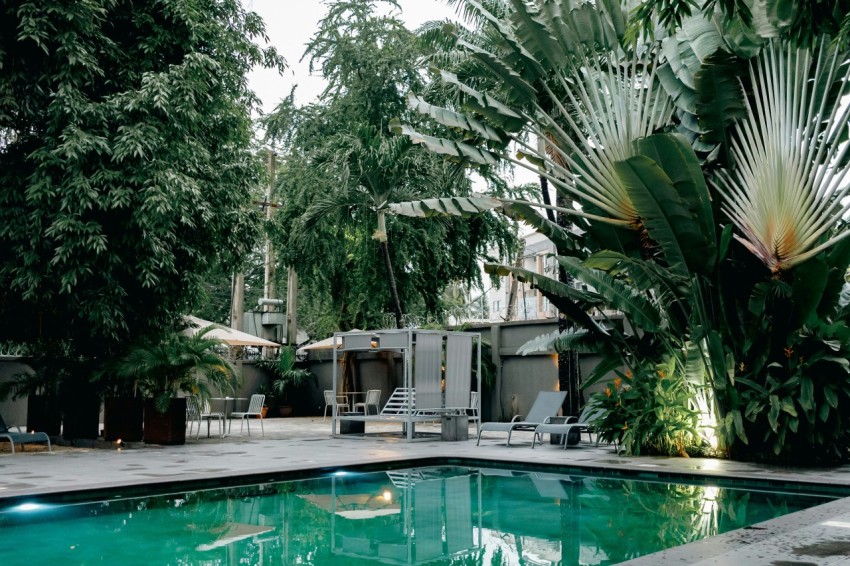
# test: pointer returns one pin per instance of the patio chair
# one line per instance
(341, 401)
(255, 409)
(22, 438)
(198, 412)
(373, 399)
(547, 405)
(474, 406)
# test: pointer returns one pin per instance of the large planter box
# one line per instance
(168, 427)
(81, 418)
(44, 414)
(123, 418)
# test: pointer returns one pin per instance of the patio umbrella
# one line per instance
(347, 359)
(227, 335)
(326, 344)
(233, 532)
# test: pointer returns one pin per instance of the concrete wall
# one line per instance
(14, 412)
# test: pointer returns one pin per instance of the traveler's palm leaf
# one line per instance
(786, 192)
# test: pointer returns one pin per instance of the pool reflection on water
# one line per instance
(438, 515)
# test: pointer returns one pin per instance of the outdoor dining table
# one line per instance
(227, 408)
(351, 397)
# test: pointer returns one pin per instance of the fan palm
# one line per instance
(564, 81)
(786, 192)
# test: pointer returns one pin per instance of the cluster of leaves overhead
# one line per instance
(124, 158)
(800, 21)
(341, 167)
(710, 166)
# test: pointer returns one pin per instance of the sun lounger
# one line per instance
(570, 424)
(564, 429)
(547, 405)
(22, 438)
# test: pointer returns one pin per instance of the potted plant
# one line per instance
(123, 405)
(287, 378)
(176, 363)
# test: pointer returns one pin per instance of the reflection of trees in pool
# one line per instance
(527, 516)
(606, 521)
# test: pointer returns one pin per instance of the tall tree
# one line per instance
(125, 161)
(343, 167)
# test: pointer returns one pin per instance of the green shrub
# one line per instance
(648, 412)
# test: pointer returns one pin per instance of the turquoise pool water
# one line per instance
(435, 515)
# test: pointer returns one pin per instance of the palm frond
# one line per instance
(617, 294)
(786, 193)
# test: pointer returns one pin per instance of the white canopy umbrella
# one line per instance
(227, 335)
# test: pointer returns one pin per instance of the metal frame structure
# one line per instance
(402, 341)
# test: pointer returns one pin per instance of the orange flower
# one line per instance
(607, 391)
(662, 374)
(626, 426)
(617, 382)
(789, 351)
(628, 374)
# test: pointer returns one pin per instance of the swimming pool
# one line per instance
(439, 514)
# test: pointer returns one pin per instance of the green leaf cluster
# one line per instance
(706, 190)
(125, 160)
(342, 167)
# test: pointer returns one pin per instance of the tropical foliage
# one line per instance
(651, 412)
(178, 362)
(286, 376)
(125, 161)
(340, 169)
(704, 170)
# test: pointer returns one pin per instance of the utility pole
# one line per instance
(268, 271)
(268, 264)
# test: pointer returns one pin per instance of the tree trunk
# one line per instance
(381, 236)
(544, 192)
(385, 249)
(511, 309)
(569, 368)
(291, 307)
(237, 301)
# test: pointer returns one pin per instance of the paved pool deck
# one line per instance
(817, 536)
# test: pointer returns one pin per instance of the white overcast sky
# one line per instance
(291, 23)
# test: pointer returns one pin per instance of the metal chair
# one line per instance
(197, 412)
(373, 399)
(330, 399)
(22, 438)
(474, 405)
(255, 409)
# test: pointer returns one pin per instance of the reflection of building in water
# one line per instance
(433, 518)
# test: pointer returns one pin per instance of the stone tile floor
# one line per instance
(816, 536)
